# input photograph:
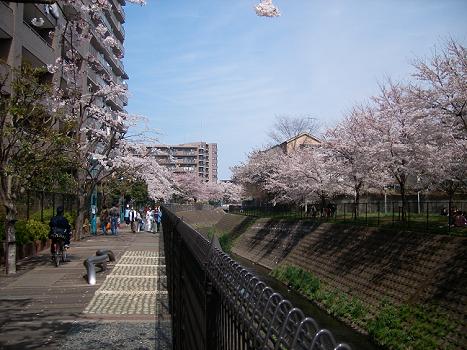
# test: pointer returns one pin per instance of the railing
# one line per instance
(216, 304)
(37, 34)
(419, 216)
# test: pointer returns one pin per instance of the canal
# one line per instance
(341, 331)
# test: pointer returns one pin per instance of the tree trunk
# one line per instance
(404, 200)
(356, 203)
(78, 234)
(81, 210)
(10, 220)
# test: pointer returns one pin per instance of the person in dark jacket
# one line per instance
(61, 225)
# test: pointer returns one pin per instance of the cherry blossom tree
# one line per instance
(304, 176)
(402, 137)
(30, 143)
(443, 86)
(190, 187)
(101, 144)
(349, 147)
(230, 192)
(442, 93)
(255, 173)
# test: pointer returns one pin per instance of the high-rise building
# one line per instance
(199, 157)
(31, 32)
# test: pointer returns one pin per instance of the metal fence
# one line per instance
(420, 216)
(35, 204)
(217, 304)
(175, 207)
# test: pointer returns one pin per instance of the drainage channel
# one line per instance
(341, 331)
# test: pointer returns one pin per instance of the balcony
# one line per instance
(37, 45)
(118, 10)
(39, 11)
(103, 65)
(115, 103)
(6, 21)
(117, 26)
(124, 100)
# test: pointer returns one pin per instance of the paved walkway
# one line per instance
(44, 307)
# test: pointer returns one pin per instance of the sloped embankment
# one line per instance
(372, 265)
(201, 218)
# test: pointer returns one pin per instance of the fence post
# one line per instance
(393, 214)
(408, 215)
(28, 194)
(344, 212)
(378, 213)
(366, 213)
(449, 217)
(427, 217)
(42, 206)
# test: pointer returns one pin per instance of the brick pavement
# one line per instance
(44, 307)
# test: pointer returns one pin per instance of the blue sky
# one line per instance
(205, 70)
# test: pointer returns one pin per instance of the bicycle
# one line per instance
(59, 248)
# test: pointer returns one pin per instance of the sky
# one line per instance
(213, 71)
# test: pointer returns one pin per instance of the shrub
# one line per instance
(226, 242)
(37, 230)
(27, 231)
(48, 214)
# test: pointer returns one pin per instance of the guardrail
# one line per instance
(217, 304)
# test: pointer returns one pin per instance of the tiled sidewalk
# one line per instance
(44, 307)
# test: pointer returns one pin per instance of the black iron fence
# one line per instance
(420, 216)
(217, 304)
(175, 207)
(40, 204)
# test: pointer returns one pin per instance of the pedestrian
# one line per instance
(158, 218)
(139, 221)
(114, 216)
(132, 217)
(126, 216)
(104, 219)
(148, 220)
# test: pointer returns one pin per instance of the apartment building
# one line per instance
(30, 32)
(199, 157)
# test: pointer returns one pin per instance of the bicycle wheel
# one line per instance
(63, 251)
(57, 259)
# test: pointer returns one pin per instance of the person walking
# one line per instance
(126, 215)
(139, 221)
(158, 218)
(104, 218)
(133, 221)
(148, 220)
(114, 215)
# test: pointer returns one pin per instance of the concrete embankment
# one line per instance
(370, 264)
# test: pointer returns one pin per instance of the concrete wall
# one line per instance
(367, 263)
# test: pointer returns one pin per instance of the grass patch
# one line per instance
(397, 327)
(225, 239)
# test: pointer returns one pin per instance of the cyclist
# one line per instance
(59, 224)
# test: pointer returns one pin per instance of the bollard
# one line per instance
(91, 263)
(107, 252)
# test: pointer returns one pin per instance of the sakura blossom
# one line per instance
(267, 9)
